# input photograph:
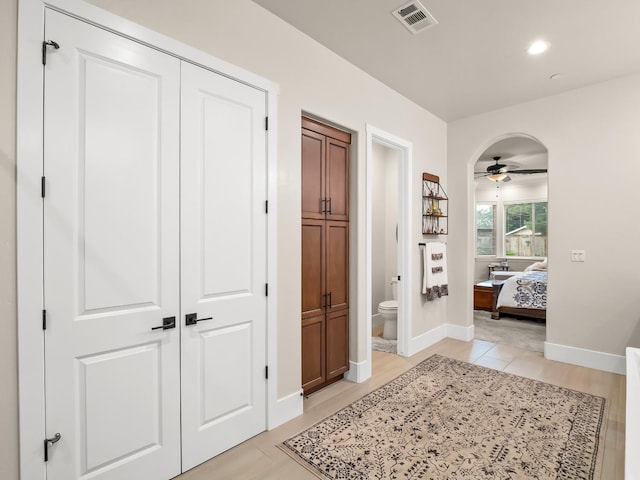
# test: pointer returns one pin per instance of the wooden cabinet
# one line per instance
(325, 254)
(325, 172)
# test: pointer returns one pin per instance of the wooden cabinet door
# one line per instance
(337, 338)
(313, 268)
(313, 352)
(337, 272)
(313, 174)
(337, 180)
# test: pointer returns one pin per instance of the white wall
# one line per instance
(378, 225)
(384, 264)
(8, 339)
(593, 140)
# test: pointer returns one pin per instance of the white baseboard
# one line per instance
(358, 371)
(426, 339)
(286, 408)
(466, 334)
(585, 358)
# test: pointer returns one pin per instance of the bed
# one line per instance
(522, 295)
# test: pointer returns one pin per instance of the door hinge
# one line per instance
(266, 123)
(266, 289)
(44, 319)
(398, 277)
(43, 183)
(49, 43)
(266, 372)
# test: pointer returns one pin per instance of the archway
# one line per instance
(510, 206)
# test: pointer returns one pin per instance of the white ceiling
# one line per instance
(475, 59)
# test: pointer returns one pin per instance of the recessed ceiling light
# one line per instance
(537, 47)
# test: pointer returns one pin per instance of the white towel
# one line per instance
(435, 282)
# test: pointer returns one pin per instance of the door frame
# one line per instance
(405, 254)
(29, 153)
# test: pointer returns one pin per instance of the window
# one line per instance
(485, 229)
(525, 229)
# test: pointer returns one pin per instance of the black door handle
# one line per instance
(167, 323)
(192, 319)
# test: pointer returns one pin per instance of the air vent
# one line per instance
(414, 17)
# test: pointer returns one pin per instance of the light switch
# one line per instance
(577, 255)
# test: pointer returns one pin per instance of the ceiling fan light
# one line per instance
(497, 177)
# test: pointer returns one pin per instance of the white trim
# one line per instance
(632, 421)
(358, 371)
(273, 403)
(466, 334)
(405, 169)
(427, 339)
(285, 409)
(29, 150)
(607, 362)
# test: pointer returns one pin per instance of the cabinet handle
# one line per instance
(323, 205)
(329, 200)
(330, 302)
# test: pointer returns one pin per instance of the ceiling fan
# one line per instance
(500, 172)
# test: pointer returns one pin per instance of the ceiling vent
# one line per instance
(414, 17)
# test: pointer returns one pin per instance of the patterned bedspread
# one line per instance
(528, 290)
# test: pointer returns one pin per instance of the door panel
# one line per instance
(103, 418)
(223, 178)
(313, 268)
(337, 266)
(337, 188)
(337, 343)
(313, 174)
(111, 255)
(313, 352)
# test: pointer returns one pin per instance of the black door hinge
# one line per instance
(398, 277)
(46, 44)
(44, 319)
(266, 372)
(43, 182)
(266, 206)
(266, 123)
(266, 289)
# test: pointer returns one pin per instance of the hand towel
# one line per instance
(435, 282)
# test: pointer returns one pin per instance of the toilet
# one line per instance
(388, 310)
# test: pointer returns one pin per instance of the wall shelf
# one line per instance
(435, 206)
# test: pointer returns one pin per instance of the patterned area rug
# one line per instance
(447, 419)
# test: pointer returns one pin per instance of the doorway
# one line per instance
(401, 151)
(384, 247)
(141, 303)
(511, 238)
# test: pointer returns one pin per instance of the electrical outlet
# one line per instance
(578, 255)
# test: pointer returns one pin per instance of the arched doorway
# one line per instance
(511, 237)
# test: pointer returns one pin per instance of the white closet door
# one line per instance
(223, 178)
(111, 255)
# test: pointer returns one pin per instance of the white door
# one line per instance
(111, 255)
(223, 245)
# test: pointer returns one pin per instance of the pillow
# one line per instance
(536, 267)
